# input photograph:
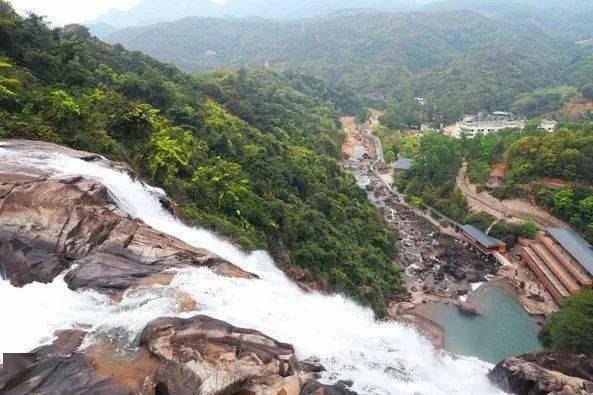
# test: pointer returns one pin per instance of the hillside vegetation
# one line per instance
(249, 154)
(461, 61)
(568, 18)
(154, 11)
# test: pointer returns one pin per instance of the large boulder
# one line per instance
(202, 355)
(48, 224)
(55, 369)
(198, 355)
(524, 376)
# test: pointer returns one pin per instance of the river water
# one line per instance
(504, 329)
(379, 357)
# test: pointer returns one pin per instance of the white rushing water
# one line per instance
(379, 357)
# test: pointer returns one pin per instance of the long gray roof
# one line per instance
(481, 237)
(575, 245)
(403, 163)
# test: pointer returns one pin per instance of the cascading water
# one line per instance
(379, 357)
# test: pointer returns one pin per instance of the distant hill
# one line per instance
(373, 52)
(568, 18)
(154, 11)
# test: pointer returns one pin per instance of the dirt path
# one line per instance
(514, 210)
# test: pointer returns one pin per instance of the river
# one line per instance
(379, 357)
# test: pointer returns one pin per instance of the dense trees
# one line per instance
(566, 156)
(544, 102)
(460, 61)
(402, 114)
(249, 154)
(437, 160)
(569, 330)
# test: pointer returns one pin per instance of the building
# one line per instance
(403, 165)
(497, 175)
(482, 241)
(485, 124)
(574, 252)
(562, 260)
(471, 125)
(548, 125)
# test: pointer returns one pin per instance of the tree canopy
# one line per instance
(569, 330)
(251, 154)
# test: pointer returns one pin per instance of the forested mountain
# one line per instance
(154, 11)
(484, 64)
(569, 18)
(249, 154)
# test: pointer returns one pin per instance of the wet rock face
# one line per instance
(49, 224)
(204, 355)
(523, 376)
(54, 369)
(198, 355)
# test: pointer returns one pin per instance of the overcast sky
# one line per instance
(61, 12)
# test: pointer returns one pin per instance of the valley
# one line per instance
(443, 269)
(297, 198)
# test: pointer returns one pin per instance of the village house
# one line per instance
(403, 166)
(482, 241)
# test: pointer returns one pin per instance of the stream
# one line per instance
(444, 266)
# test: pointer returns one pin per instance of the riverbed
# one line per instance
(503, 329)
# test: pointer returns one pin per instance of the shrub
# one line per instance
(529, 229)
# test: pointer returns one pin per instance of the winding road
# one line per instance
(514, 210)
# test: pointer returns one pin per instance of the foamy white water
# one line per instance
(380, 357)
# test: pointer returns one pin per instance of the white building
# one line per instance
(548, 125)
(471, 125)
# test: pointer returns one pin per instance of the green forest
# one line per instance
(529, 155)
(252, 155)
(459, 61)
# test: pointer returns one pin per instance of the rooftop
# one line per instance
(403, 163)
(498, 170)
(481, 237)
(575, 245)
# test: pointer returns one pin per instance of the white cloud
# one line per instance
(61, 12)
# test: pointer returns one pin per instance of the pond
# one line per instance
(504, 329)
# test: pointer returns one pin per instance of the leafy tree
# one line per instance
(401, 113)
(416, 201)
(172, 150)
(569, 330)
(529, 229)
(389, 156)
(8, 85)
(478, 172)
(438, 159)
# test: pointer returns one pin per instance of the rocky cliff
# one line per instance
(545, 373)
(50, 225)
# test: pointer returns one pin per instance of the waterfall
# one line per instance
(379, 357)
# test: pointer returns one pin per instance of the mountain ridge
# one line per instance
(371, 51)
